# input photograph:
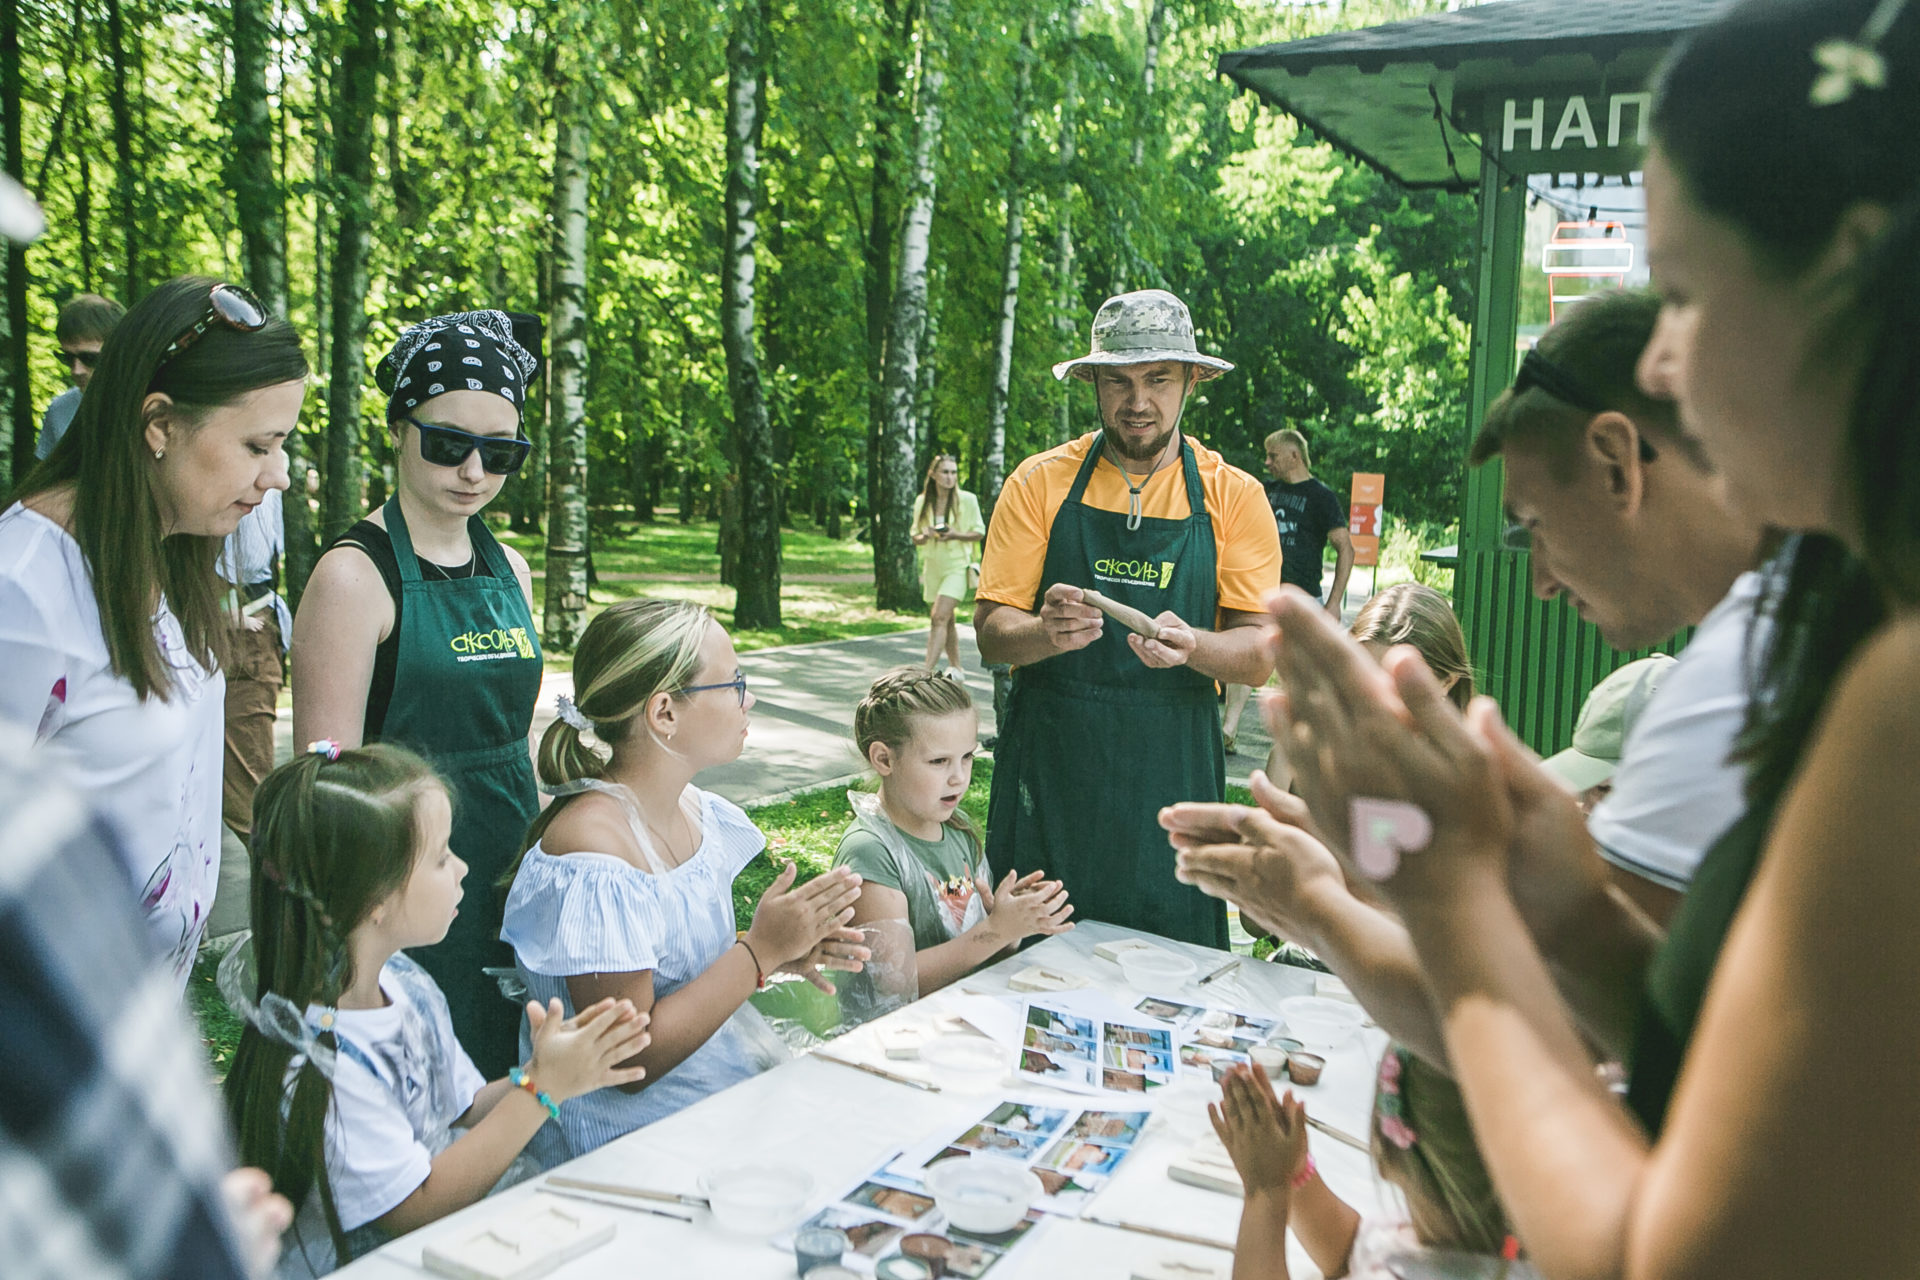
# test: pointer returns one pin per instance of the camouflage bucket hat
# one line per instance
(1141, 328)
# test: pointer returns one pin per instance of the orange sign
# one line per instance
(1363, 516)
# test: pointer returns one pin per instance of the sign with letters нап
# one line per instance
(1596, 132)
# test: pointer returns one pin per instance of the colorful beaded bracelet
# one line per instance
(523, 1080)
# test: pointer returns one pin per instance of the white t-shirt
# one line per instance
(400, 1079)
(152, 767)
(1675, 793)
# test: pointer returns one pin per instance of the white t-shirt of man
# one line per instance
(151, 767)
(1675, 792)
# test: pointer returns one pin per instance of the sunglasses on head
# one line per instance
(229, 305)
(446, 447)
(89, 357)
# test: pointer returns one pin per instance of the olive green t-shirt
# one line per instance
(942, 900)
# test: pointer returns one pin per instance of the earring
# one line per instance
(159, 454)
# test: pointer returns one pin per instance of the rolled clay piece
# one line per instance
(1124, 614)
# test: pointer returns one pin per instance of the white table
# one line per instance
(839, 1123)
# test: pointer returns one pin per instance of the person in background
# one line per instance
(80, 331)
(947, 528)
(112, 636)
(1308, 515)
(1606, 718)
(249, 561)
(417, 628)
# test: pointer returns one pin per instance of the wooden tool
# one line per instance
(882, 1072)
(1158, 1232)
(1124, 614)
(622, 1189)
(1221, 972)
(1338, 1135)
(606, 1203)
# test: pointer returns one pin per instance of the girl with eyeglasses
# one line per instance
(626, 888)
(417, 627)
(112, 635)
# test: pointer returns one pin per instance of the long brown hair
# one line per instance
(332, 840)
(1408, 613)
(928, 490)
(104, 456)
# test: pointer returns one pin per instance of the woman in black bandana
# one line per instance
(417, 628)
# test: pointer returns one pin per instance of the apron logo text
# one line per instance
(501, 642)
(1150, 573)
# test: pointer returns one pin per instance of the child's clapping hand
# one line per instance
(1265, 1135)
(1024, 906)
(574, 1056)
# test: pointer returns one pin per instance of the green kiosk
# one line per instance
(1540, 106)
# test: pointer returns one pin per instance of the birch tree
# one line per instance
(883, 226)
(356, 77)
(993, 469)
(896, 576)
(567, 531)
(757, 572)
(1066, 303)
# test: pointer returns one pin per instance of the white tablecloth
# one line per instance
(840, 1123)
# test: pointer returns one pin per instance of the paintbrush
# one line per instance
(1158, 1232)
(882, 1072)
(1221, 972)
(615, 1204)
(622, 1189)
(1338, 1135)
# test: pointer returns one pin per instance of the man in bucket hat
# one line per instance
(1105, 727)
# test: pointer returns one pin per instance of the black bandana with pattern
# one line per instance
(464, 351)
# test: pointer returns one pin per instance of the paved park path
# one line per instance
(801, 738)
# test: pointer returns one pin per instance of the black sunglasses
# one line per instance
(446, 447)
(738, 684)
(227, 304)
(68, 358)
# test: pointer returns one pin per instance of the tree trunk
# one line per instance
(19, 389)
(566, 606)
(261, 212)
(355, 85)
(883, 225)
(993, 469)
(126, 176)
(1156, 34)
(756, 577)
(896, 576)
(927, 438)
(1066, 308)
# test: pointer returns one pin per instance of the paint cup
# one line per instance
(930, 1249)
(1305, 1068)
(1271, 1058)
(817, 1247)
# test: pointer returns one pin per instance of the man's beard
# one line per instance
(1148, 451)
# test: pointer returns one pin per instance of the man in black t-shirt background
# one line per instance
(1310, 515)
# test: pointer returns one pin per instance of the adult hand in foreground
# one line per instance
(1355, 729)
(1273, 870)
(1070, 622)
(259, 1215)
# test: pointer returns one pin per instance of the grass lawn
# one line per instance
(806, 829)
(810, 611)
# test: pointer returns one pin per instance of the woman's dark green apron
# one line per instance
(464, 687)
(1096, 743)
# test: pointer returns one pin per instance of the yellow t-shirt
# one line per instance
(1246, 542)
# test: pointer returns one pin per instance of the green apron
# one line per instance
(1096, 743)
(465, 682)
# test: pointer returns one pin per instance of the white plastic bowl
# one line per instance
(1156, 971)
(1325, 1023)
(966, 1061)
(757, 1199)
(981, 1194)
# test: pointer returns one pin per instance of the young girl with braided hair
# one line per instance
(916, 852)
(1453, 1227)
(349, 1087)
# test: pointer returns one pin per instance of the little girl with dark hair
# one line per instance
(349, 1086)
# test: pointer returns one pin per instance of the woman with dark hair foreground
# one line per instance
(111, 631)
(1772, 1127)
